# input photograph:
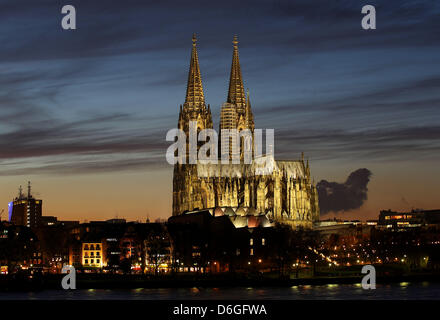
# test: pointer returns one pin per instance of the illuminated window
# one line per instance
(263, 241)
(252, 252)
(251, 242)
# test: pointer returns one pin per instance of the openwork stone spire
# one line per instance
(236, 93)
(249, 116)
(194, 90)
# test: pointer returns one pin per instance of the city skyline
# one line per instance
(84, 113)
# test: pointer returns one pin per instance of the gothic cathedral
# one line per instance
(287, 195)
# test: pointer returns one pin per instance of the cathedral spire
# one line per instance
(194, 90)
(249, 115)
(236, 90)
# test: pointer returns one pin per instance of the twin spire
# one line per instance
(236, 90)
(194, 90)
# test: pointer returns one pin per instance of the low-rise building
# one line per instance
(403, 220)
(92, 254)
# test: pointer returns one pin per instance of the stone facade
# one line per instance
(286, 195)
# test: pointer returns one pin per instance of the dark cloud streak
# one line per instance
(40, 63)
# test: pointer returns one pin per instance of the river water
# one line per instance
(397, 291)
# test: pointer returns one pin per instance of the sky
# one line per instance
(84, 113)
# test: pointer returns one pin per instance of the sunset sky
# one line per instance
(84, 113)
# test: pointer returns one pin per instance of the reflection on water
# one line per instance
(403, 290)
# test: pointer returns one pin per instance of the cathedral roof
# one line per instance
(252, 212)
(239, 221)
(229, 212)
(253, 222)
(241, 211)
(218, 212)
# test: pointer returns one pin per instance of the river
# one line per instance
(396, 291)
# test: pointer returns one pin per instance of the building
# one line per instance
(343, 231)
(206, 243)
(92, 254)
(75, 255)
(20, 248)
(286, 195)
(403, 220)
(26, 210)
(46, 221)
(119, 246)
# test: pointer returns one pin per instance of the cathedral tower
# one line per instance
(236, 113)
(185, 180)
(236, 93)
(194, 108)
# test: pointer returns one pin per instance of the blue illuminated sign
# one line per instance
(10, 206)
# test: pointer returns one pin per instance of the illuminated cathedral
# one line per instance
(287, 195)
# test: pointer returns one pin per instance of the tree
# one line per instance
(157, 250)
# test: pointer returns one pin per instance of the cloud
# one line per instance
(115, 28)
(89, 136)
(339, 197)
(49, 76)
(387, 144)
(94, 143)
(85, 165)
